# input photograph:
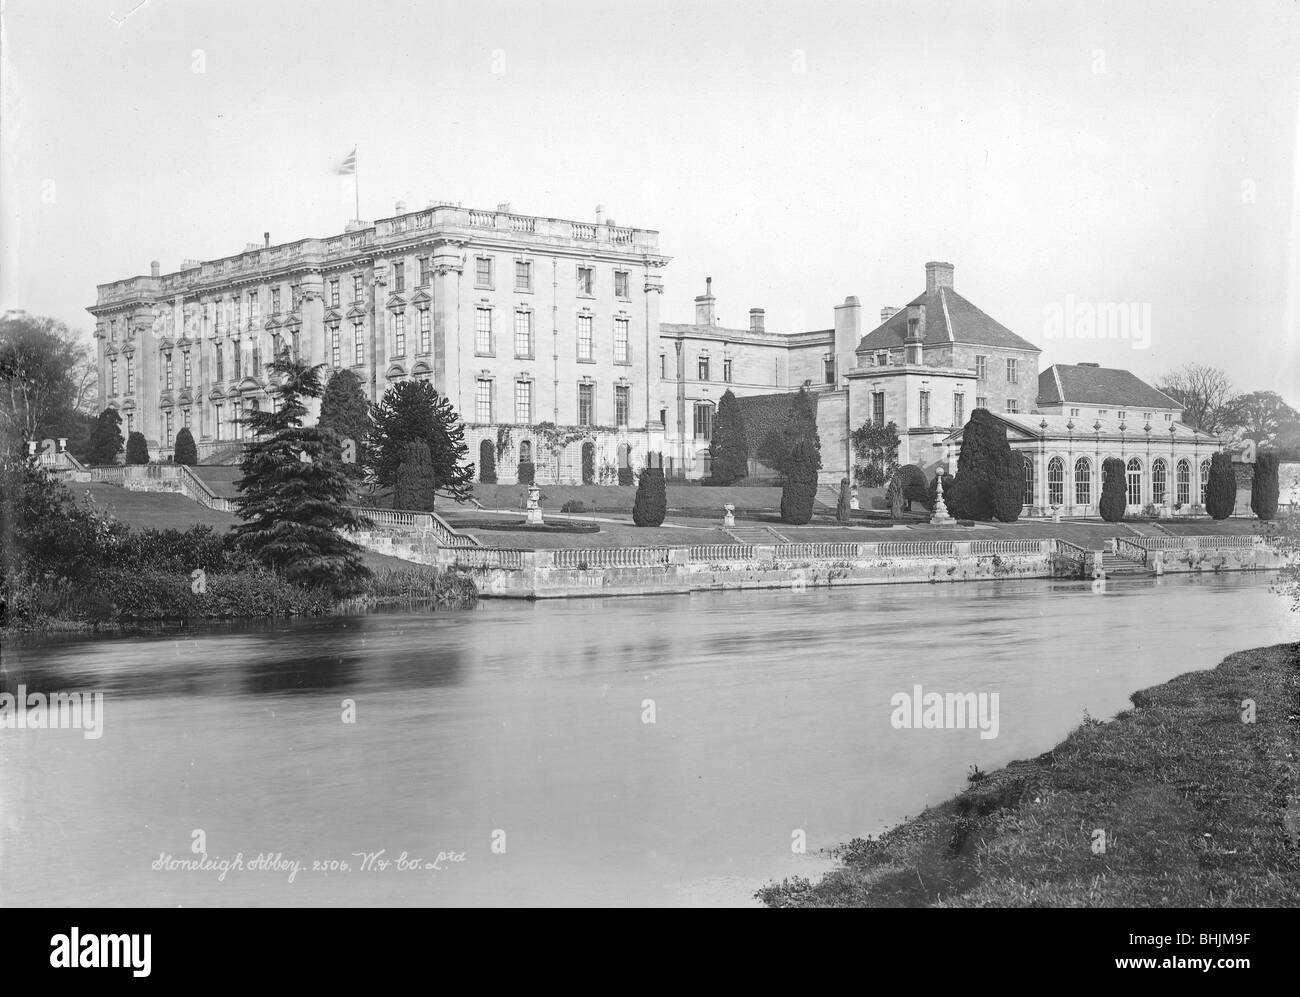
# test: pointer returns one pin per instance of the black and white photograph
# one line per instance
(596, 454)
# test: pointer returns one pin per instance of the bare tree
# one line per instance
(1203, 392)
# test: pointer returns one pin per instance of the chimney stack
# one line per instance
(155, 269)
(704, 312)
(266, 239)
(886, 313)
(848, 334)
(915, 333)
(937, 275)
(399, 208)
(600, 214)
(756, 319)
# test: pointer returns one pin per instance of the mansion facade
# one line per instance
(523, 321)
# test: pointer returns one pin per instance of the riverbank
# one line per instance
(115, 600)
(1179, 802)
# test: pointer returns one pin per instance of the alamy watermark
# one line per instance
(919, 710)
(83, 711)
(1073, 319)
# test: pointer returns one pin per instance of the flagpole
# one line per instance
(356, 184)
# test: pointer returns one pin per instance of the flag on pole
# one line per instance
(349, 164)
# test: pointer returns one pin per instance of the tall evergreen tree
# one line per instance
(800, 487)
(651, 503)
(415, 487)
(137, 449)
(1264, 490)
(729, 446)
(1221, 492)
(411, 411)
(293, 497)
(106, 438)
(345, 411)
(1114, 490)
(185, 451)
(990, 476)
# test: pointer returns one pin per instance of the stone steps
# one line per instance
(755, 535)
(1114, 564)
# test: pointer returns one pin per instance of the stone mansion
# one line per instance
(522, 320)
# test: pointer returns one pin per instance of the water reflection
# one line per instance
(771, 714)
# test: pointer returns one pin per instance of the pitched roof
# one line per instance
(1059, 427)
(1083, 384)
(949, 318)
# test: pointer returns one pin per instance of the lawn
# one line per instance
(1197, 806)
(160, 510)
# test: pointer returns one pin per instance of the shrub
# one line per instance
(1221, 494)
(1113, 490)
(842, 506)
(914, 485)
(105, 438)
(651, 504)
(573, 506)
(800, 486)
(527, 472)
(625, 476)
(186, 452)
(1264, 488)
(588, 465)
(137, 450)
(487, 464)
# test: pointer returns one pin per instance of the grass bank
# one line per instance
(1198, 807)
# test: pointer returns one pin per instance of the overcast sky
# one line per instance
(1133, 152)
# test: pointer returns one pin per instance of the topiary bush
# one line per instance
(573, 506)
(137, 450)
(800, 488)
(990, 475)
(487, 464)
(1113, 490)
(588, 465)
(1221, 494)
(186, 452)
(1264, 487)
(651, 504)
(527, 472)
(729, 446)
(914, 484)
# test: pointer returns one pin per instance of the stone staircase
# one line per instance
(753, 535)
(1118, 566)
(1146, 529)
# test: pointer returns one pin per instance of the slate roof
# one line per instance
(949, 318)
(1073, 384)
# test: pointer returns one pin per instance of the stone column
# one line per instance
(448, 266)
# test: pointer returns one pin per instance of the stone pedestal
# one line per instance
(729, 518)
(940, 515)
(853, 500)
(533, 511)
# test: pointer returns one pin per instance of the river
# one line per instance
(648, 751)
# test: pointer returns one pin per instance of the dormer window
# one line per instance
(882, 359)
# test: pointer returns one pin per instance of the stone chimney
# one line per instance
(155, 269)
(704, 311)
(937, 275)
(915, 333)
(848, 333)
(266, 239)
(886, 313)
(600, 214)
(756, 319)
(399, 208)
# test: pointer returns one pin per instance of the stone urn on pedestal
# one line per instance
(940, 515)
(533, 511)
(729, 517)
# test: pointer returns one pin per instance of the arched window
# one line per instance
(1158, 482)
(1083, 481)
(1134, 481)
(526, 452)
(1184, 479)
(1205, 478)
(1029, 479)
(1056, 481)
